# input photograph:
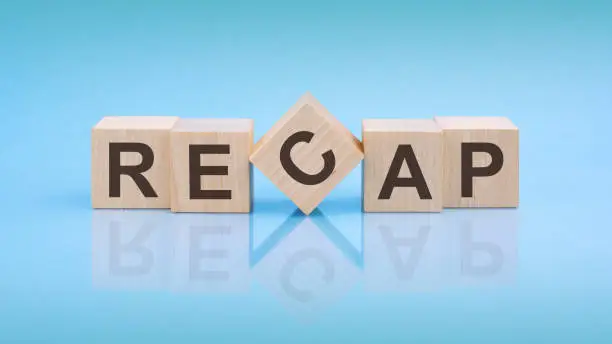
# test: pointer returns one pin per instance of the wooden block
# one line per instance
(211, 172)
(130, 162)
(402, 168)
(307, 153)
(481, 162)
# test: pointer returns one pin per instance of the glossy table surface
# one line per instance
(462, 275)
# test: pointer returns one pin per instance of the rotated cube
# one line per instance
(307, 153)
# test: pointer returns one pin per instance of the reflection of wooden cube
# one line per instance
(407, 252)
(307, 271)
(131, 249)
(481, 162)
(307, 153)
(211, 253)
(211, 171)
(402, 168)
(130, 162)
(485, 246)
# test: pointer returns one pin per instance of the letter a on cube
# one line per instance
(130, 162)
(402, 169)
(481, 162)
(307, 153)
(211, 172)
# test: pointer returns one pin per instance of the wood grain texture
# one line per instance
(382, 139)
(151, 131)
(329, 134)
(236, 135)
(498, 190)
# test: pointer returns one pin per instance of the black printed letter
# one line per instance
(329, 160)
(468, 171)
(196, 170)
(404, 153)
(135, 171)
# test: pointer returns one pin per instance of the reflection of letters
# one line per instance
(470, 249)
(134, 248)
(405, 252)
(130, 249)
(309, 262)
(408, 252)
(211, 253)
(197, 254)
(486, 252)
(405, 271)
(290, 266)
(306, 270)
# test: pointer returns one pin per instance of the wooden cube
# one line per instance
(211, 172)
(130, 162)
(307, 153)
(402, 168)
(481, 162)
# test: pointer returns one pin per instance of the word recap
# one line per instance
(204, 165)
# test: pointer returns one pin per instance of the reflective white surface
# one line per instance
(306, 262)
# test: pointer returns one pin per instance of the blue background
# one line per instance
(546, 65)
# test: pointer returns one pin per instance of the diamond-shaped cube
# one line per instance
(307, 153)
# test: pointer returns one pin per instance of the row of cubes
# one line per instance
(205, 165)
